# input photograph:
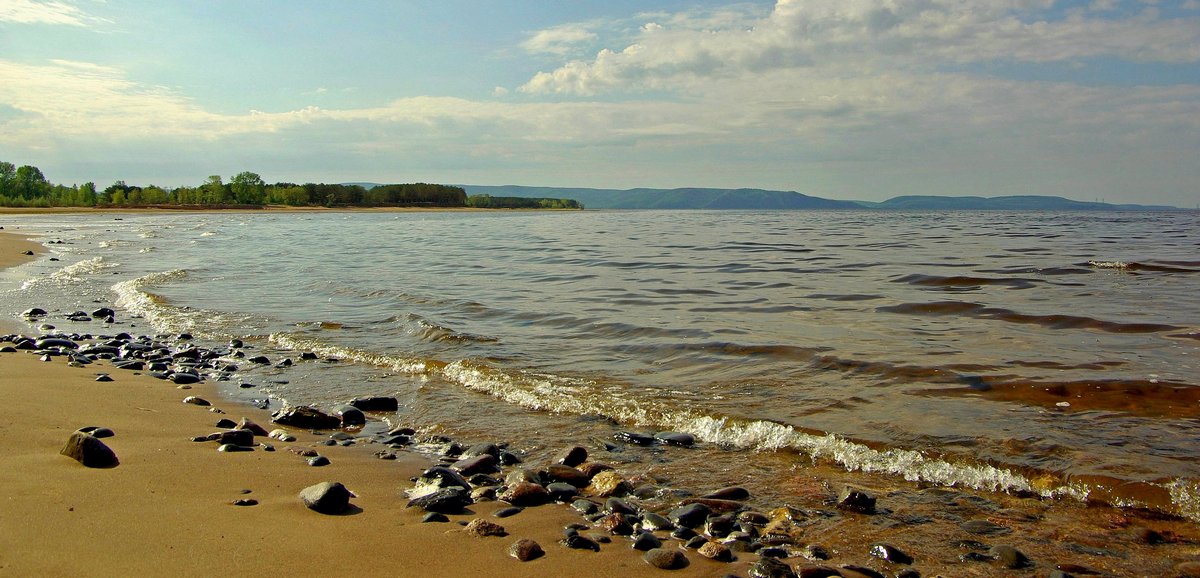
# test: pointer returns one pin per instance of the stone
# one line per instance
(608, 483)
(733, 493)
(239, 437)
(258, 430)
(814, 571)
(508, 512)
(103, 377)
(615, 524)
(281, 435)
(716, 551)
(856, 500)
(770, 568)
(665, 558)
(434, 517)
(560, 492)
(327, 498)
(984, 528)
(526, 550)
(445, 500)
(230, 448)
(526, 494)
(585, 507)
(690, 516)
(306, 417)
(577, 542)
(1009, 557)
(481, 528)
(634, 438)
(720, 506)
(480, 464)
(483, 494)
(89, 451)
(656, 522)
(890, 553)
(318, 461)
(646, 541)
(854, 571)
(196, 401)
(590, 469)
(97, 431)
(566, 474)
(350, 415)
(573, 456)
(675, 438)
(443, 477)
(482, 449)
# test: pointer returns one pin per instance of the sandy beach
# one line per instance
(167, 510)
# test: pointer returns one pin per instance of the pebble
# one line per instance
(716, 551)
(608, 483)
(856, 500)
(771, 568)
(573, 456)
(445, 500)
(675, 438)
(231, 448)
(245, 502)
(435, 517)
(481, 528)
(318, 461)
(526, 550)
(690, 516)
(854, 571)
(817, 572)
(97, 431)
(577, 542)
(508, 512)
(196, 401)
(526, 494)
(1009, 557)
(665, 558)
(891, 554)
(327, 498)
(646, 541)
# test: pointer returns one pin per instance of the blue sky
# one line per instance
(847, 99)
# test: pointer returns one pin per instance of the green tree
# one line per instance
(248, 188)
(31, 183)
(215, 192)
(8, 179)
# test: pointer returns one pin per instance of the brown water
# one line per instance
(1044, 354)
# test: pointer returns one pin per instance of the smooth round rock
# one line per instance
(1010, 557)
(856, 500)
(675, 438)
(891, 554)
(445, 500)
(327, 498)
(771, 568)
(193, 400)
(577, 542)
(716, 551)
(97, 431)
(526, 494)
(526, 550)
(573, 456)
(318, 461)
(646, 542)
(435, 517)
(665, 558)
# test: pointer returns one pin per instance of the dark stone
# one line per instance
(634, 438)
(443, 477)
(771, 568)
(721, 506)
(508, 458)
(89, 451)
(675, 438)
(97, 431)
(856, 500)
(245, 502)
(810, 571)
(326, 498)
(482, 528)
(910, 573)
(483, 480)
(318, 461)
(226, 423)
(508, 512)
(103, 312)
(860, 572)
(683, 534)
(196, 401)
(615, 524)
(719, 526)
(252, 427)
(350, 415)
(1009, 557)
(695, 542)
(184, 378)
(690, 516)
(526, 550)
(33, 312)
(734, 493)
(891, 554)
(619, 506)
(590, 469)
(560, 492)
(773, 552)
(665, 558)
(566, 474)
(307, 417)
(230, 448)
(646, 541)
(48, 342)
(573, 456)
(526, 494)
(445, 500)
(484, 449)
(238, 437)
(480, 464)
(260, 359)
(130, 365)
(815, 552)
(577, 542)
(434, 517)
(585, 507)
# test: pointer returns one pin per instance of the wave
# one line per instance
(1155, 267)
(1056, 321)
(71, 274)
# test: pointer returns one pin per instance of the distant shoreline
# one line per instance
(264, 209)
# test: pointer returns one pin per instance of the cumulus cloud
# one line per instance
(909, 34)
(35, 12)
(560, 40)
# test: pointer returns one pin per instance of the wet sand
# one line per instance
(167, 508)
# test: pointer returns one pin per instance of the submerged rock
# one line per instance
(307, 417)
(445, 501)
(665, 558)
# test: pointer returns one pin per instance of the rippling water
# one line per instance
(1047, 352)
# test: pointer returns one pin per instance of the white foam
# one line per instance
(71, 274)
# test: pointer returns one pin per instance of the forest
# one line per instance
(26, 186)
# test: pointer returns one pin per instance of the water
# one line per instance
(1053, 353)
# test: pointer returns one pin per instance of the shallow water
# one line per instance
(1055, 353)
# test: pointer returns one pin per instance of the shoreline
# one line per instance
(166, 509)
(264, 209)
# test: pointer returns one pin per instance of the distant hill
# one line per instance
(688, 198)
(1010, 203)
(760, 199)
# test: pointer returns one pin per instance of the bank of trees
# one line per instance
(26, 186)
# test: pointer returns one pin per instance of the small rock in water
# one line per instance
(526, 550)
(856, 500)
(771, 568)
(445, 500)
(646, 542)
(480, 527)
(577, 542)
(508, 512)
(690, 516)
(608, 483)
(307, 417)
(327, 498)
(282, 435)
(634, 438)
(435, 517)
(245, 502)
(891, 554)
(665, 558)
(1009, 557)
(378, 403)
(734, 493)
(716, 551)
(859, 572)
(573, 456)
(675, 438)
(526, 494)
(89, 451)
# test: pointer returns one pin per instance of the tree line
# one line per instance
(26, 186)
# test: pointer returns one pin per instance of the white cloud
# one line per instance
(559, 40)
(35, 12)
(864, 34)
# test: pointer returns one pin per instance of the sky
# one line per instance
(843, 99)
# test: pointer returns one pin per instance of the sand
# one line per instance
(167, 510)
